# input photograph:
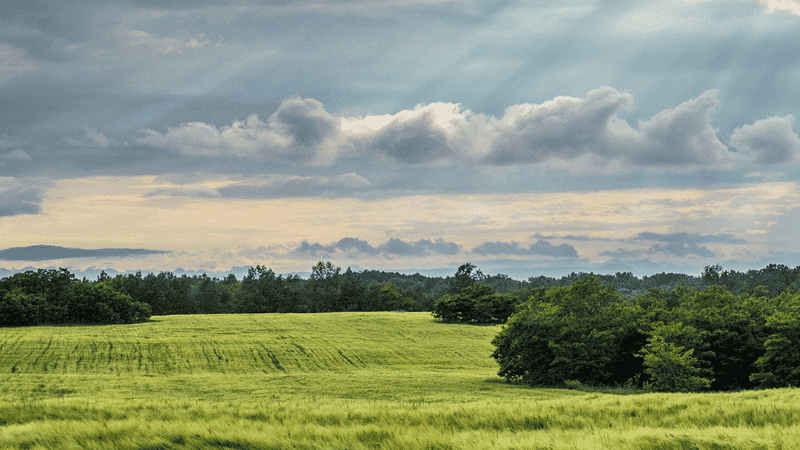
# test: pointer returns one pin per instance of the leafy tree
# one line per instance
(323, 288)
(261, 291)
(211, 297)
(574, 333)
(20, 309)
(464, 278)
(89, 303)
(478, 304)
(670, 368)
(352, 292)
(386, 297)
(779, 366)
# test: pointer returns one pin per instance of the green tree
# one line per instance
(88, 303)
(323, 288)
(464, 278)
(478, 304)
(352, 292)
(779, 366)
(20, 309)
(671, 369)
(261, 291)
(575, 333)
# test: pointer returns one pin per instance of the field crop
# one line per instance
(335, 380)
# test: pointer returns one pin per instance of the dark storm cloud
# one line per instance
(688, 238)
(541, 248)
(49, 252)
(394, 247)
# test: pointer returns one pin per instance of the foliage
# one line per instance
(464, 278)
(87, 303)
(53, 297)
(476, 304)
(670, 368)
(574, 333)
(779, 366)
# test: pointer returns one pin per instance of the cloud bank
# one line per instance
(301, 131)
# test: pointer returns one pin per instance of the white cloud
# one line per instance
(300, 131)
(770, 140)
(681, 135)
(563, 129)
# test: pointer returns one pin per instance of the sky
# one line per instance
(528, 138)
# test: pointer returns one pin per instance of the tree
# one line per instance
(323, 288)
(574, 333)
(670, 368)
(779, 366)
(88, 303)
(352, 292)
(478, 304)
(261, 291)
(464, 278)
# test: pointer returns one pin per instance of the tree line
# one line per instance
(41, 297)
(683, 340)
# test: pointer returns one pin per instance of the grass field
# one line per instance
(339, 381)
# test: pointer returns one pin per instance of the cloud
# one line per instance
(771, 140)
(563, 128)
(688, 238)
(49, 252)
(541, 248)
(20, 200)
(679, 136)
(91, 139)
(394, 247)
(682, 249)
(298, 132)
(301, 131)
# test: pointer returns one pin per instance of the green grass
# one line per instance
(340, 381)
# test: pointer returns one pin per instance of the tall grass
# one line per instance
(355, 381)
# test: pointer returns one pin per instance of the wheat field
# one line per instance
(339, 381)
